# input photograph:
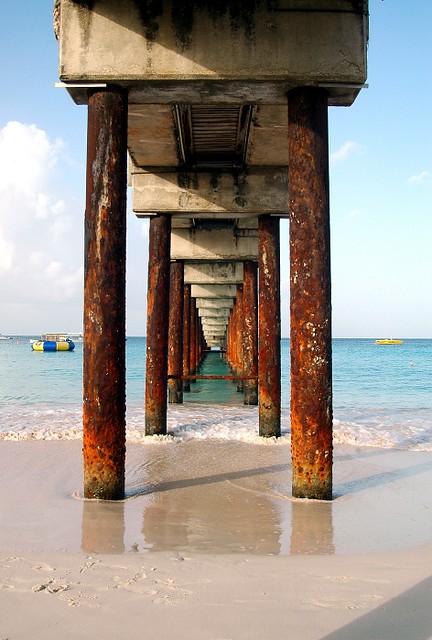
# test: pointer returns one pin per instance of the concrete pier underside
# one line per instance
(209, 118)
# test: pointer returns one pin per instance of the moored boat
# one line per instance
(388, 341)
(2, 337)
(53, 342)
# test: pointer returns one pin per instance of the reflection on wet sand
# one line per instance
(312, 527)
(214, 498)
(103, 527)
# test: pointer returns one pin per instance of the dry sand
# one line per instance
(210, 546)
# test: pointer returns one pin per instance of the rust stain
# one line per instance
(175, 333)
(104, 404)
(157, 325)
(186, 335)
(310, 310)
(250, 332)
(269, 328)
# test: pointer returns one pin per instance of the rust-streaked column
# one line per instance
(250, 332)
(269, 331)
(193, 340)
(104, 401)
(157, 325)
(239, 337)
(311, 366)
(186, 335)
(175, 335)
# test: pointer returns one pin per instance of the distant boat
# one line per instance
(53, 342)
(2, 337)
(76, 337)
(388, 341)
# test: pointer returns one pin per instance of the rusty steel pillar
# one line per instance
(186, 335)
(193, 338)
(269, 329)
(311, 366)
(175, 334)
(250, 332)
(233, 337)
(157, 325)
(104, 380)
(239, 337)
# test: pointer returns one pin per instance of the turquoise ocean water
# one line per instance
(382, 396)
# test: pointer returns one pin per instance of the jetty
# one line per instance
(221, 110)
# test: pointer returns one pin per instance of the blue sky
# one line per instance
(380, 179)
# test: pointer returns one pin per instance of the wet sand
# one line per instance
(209, 545)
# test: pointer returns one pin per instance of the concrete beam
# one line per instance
(260, 190)
(213, 272)
(305, 42)
(214, 303)
(218, 291)
(207, 244)
(213, 322)
(222, 312)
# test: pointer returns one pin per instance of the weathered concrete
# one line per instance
(261, 190)
(213, 320)
(153, 139)
(269, 328)
(214, 304)
(207, 244)
(220, 312)
(312, 40)
(157, 326)
(310, 311)
(175, 333)
(213, 272)
(104, 385)
(214, 291)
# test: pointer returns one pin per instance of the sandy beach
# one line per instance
(209, 545)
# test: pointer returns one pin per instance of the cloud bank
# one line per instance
(40, 234)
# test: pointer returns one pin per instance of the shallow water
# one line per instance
(381, 396)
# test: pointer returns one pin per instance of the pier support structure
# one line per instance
(157, 325)
(186, 335)
(311, 370)
(175, 333)
(269, 327)
(201, 107)
(250, 333)
(104, 384)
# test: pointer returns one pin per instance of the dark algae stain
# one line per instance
(241, 15)
(150, 11)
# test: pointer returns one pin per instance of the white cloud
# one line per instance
(53, 270)
(6, 254)
(346, 150)
(354, 214)
(424, 176)
(41, 239)
(26, 156)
